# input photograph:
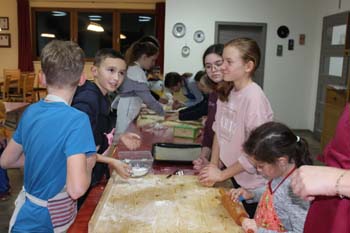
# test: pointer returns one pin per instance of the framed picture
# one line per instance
(5, 40)
(4, 23)
(279, 52)
(302, 39)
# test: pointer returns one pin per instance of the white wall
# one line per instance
(291, 80)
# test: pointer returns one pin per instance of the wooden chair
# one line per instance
(15, 77)
(15, 73)
(5, 131)
(5, 88)
(26, 89)
(11, 80)
(38, 89)
(21, 81)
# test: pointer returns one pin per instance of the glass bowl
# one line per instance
(140, 161)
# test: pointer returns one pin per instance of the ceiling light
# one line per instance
(95, 27)
(95, 17)
(47, 35)
(58, 13)
(143, 18)
(122, 36)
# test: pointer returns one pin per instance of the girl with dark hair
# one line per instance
(212, 61)
(134, 91)
(240, 108)
(276, 152)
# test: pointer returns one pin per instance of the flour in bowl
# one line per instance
(139, 171)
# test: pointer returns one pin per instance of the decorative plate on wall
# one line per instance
(198, 36)
(179, 30)
(185, 51)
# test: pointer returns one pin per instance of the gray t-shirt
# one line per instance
(290, 209)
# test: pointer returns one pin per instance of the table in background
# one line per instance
(11, 113)
(15, 106)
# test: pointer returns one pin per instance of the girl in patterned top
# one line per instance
(275, 152)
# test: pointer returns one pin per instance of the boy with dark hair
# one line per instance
(108, 70)
(57, 144)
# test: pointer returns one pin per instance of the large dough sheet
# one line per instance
(157, 204)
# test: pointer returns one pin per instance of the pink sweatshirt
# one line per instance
(245, 110)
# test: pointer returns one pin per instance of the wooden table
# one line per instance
(149, 137)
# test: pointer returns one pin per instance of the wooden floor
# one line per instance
(16, 181)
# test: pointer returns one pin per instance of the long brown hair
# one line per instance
(249, 51)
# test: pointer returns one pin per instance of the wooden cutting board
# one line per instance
(156, 204)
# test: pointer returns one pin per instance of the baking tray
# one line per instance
(175, 152)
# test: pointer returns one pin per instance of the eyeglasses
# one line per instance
(215, 65)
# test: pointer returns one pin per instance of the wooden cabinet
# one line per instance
(336, 98)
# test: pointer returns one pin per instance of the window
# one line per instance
(51, 25)
(95, 31)
(133, 27)
(105, 30)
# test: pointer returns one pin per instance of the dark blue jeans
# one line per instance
(4, 179)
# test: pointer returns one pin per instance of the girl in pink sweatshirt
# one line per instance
(242, 106)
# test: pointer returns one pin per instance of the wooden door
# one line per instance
(333, 63)
(226, 31)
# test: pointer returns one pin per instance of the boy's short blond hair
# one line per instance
(62, 63)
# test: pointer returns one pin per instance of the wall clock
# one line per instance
(283, 31)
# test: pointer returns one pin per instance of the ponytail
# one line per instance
(302, 154)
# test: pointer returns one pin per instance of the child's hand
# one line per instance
(123, 169)
(236, 193)
(209, 175)
(131, 140)
(177, 104)
(249, 225)
(163, 100)
(110, 136)
(200, 163)
(202, 160)
(172, 116)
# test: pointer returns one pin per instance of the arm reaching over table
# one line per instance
(330, 182)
